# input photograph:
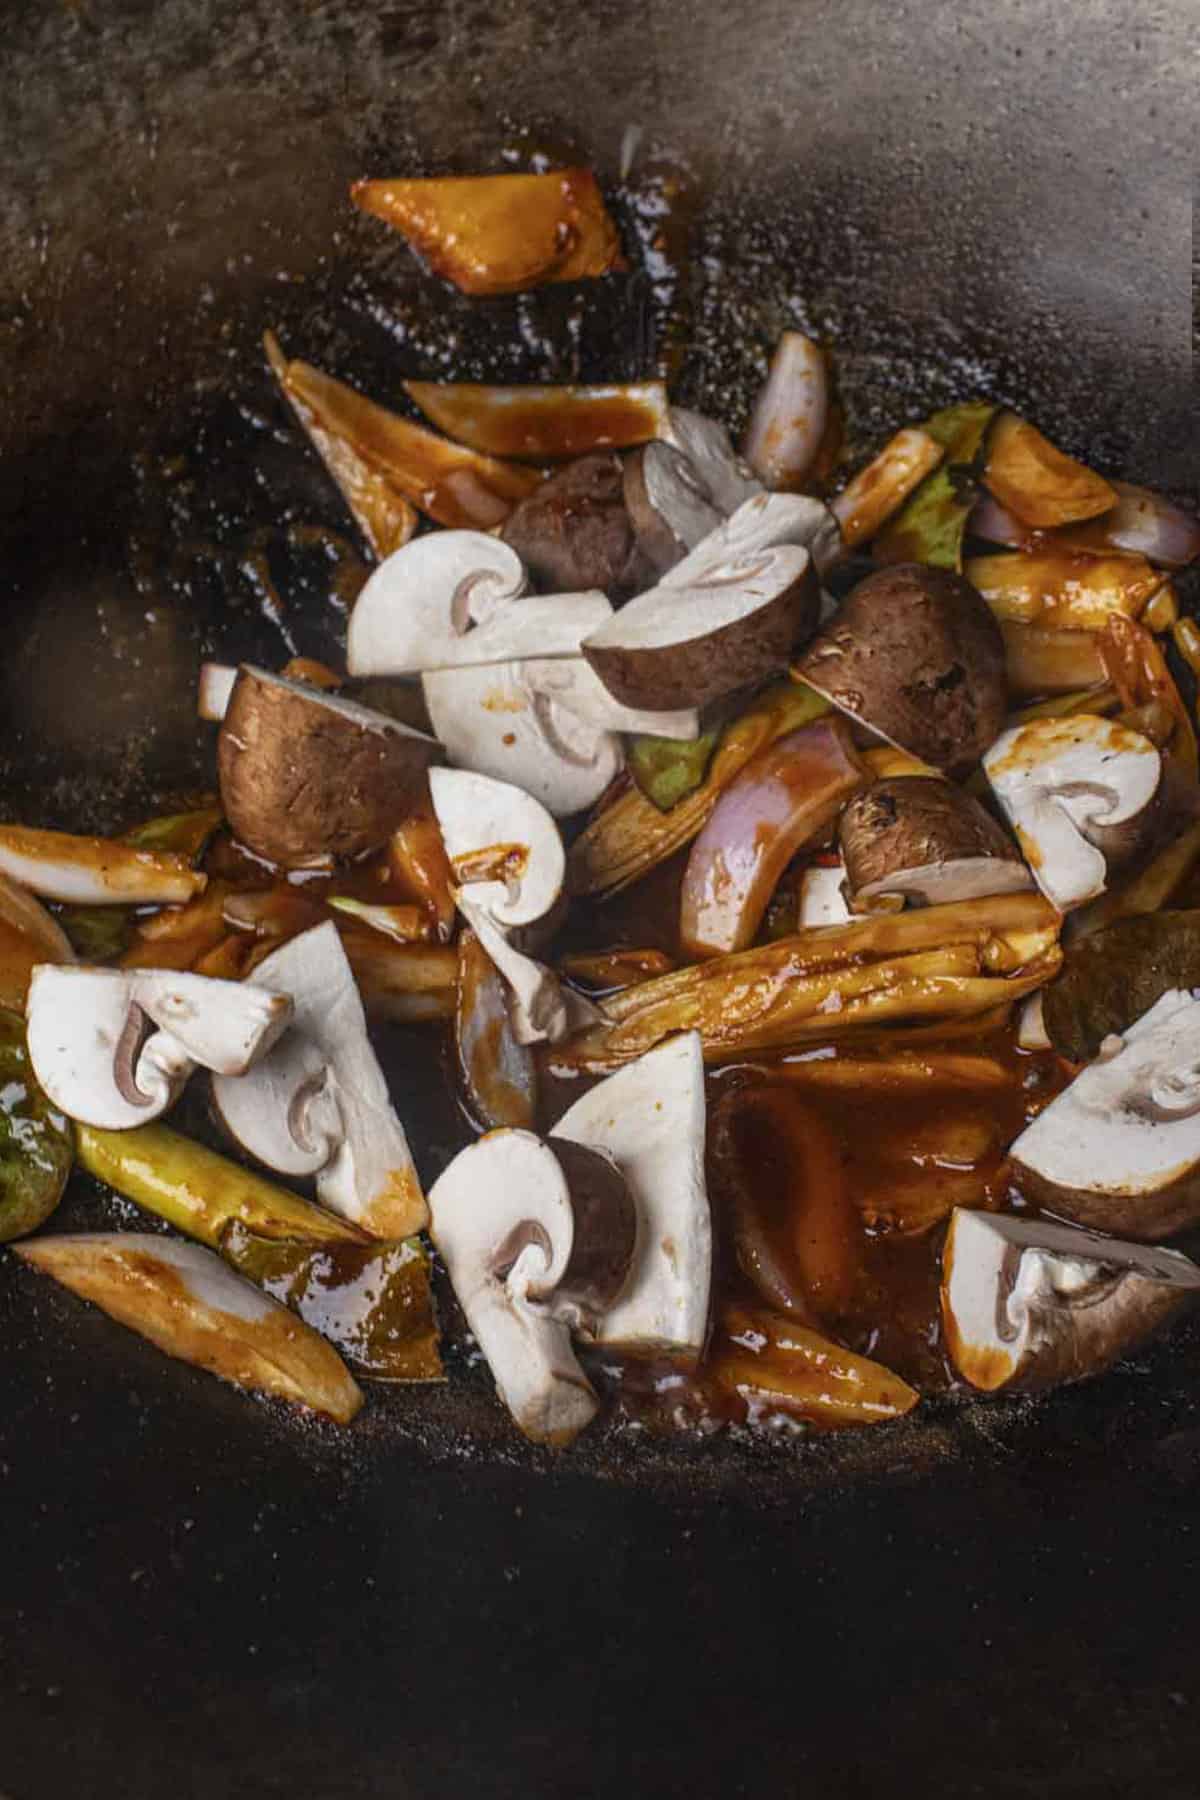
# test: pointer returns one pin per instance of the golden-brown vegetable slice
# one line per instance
(188, 1303)
(498, 234)
(453, 485)
(1039, 660)
(777, 1366)
(896, 1073)
(404, 983)
(1062, 589)
(200, 1192)
(1039, 483)
(541, 422)
(630, 836)
(95, 871)
(607, 971)
(1138, 670)
(419, 865)
(499, 1076)
(880, 489)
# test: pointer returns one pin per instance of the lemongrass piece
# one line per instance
(403, 924)
(404, 983)
(546, 421)
(876, 492)
(1185, 634)
(908, 1069)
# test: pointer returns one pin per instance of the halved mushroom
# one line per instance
(543, 1009)
(667, 502)
(1077, 791)
(535, 1245)
(492, 720)
(191, 1304)
(93, 871)
(447, 601)
(821, 897)
(763, 522)
(790, 413)
(306, 776)
(574, 532)
(914, 653)
(650, 1117)
(572, 686)
(735, 624)
(726, 477)
(319, 1104)
(924, 841)
(1027, 1304)
(504, 847)
(1119, 1149)
(96, 1052)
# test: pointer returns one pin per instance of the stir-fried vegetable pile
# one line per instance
(799, 860)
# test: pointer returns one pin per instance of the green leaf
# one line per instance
(667, 771)
(36, 1145)
(373, 1301)
(931, 525)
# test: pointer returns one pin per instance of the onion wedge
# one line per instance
(775, 1366)
(1037, 482)
(191, 1305)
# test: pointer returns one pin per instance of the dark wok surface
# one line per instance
(200, 1591)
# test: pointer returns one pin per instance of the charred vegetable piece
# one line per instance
(1037, 482)
(498, 1073)
(190, 1305)
(787, 797)
(631, 835)
(1113, 976)
(36, 1147)
(931, 526)
(539, 423)
(777, 1366)
(499, 234)
(395, 464)
(665, 770)
(200, 1192)
(373, 1302)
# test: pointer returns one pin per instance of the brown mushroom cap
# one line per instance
(668, 503)
(574, 531)
(605, 1226)
(305, 775)
(915, 653)
(926, 839)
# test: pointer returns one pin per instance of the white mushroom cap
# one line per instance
(1027, 1302)
(726, 476)
(543, 1008)
(650, 1116)
(487, 824)
(325, 1084)
(667, 501)
(1057, 780)
(94, 1051)
(763, 522)
(502, 1218)
(1120, 1147)
(491, 721)
(574, 687)
(424, 599)
(822, 901)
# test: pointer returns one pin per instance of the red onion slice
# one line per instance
(1144, 523)
(790, 415)
(996, 525)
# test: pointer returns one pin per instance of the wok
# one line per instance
(200, 1596)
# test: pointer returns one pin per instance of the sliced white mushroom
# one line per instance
(503, 846)
(543, 1008)
(763, 522)
(790, 414)
(319, 1104)
(1065, 785)
(650, 1116)
(214, 691)
(821, 897)
(95, 1050)
(1120, 1148)
(727, 478)
(533, 1247)
(450, 600)
(668, 503)
(1027, 1303)
(573, 686)
(490, 720)
(93, 871)
(189, 1303)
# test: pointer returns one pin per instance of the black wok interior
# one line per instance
(996, 1598)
